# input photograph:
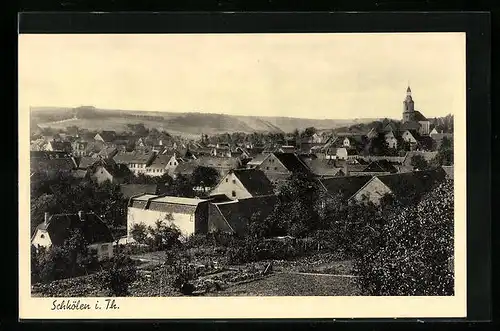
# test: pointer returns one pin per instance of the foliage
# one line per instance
(204, 177)
(419, 162)
(117, 275)
(409, 252)
(162, 236)
(139, 233)
(181, 186)
(444, 155)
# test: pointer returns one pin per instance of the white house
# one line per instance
(189, 215)
(244, 183)
(57, 228)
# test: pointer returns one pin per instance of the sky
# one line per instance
(333, 76)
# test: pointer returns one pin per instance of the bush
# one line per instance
(118, 274)
(409, 253)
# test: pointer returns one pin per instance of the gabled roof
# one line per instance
(324, 168)
(428, 156)
(255, 181)
(258, 159)
(449, 171)
(419, 117)
(42, 161)
(108, 136)
(345, 186)
(145, 156)
(238, 213)
(380, 166)
(116, 170)
(292, 162)
(130, 190)
(411, 125)
(93, 228)
(161, 160)
(86, 161)
(60, 145)
(415, 182)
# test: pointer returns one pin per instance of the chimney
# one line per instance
(46, 219)
(80, 215)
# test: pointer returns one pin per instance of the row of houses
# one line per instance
(240, 195)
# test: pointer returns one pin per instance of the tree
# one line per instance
(139, 233)
(444, 155)
(181, 187)
(117, 275)
(419, 162)
(411, 250)
(204, 177)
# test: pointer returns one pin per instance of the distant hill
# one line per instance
(186, 124)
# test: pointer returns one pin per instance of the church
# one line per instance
(413, 119)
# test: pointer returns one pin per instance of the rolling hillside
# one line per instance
(186, 124)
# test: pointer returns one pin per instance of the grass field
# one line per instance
(289, 284)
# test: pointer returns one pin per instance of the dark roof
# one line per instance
(321, 167)
(238, 213)
(115, 169)
(351, 151)
(411, 125)
(218, 162)
(419, 117)
(449, 171)
(145, 156)
(130, 190)
(93, 228)
(428, 156)
(61, 145)
(161, 160)
(345, 186)
(108, 136)
(380, 166)
(292, 162)
(41, 161)
(255, 181)
(426, 142)
(415, 182)
(86, 161)
(185, 168)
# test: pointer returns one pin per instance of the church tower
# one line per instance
(408, 107)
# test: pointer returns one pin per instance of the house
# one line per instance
(428, 156)
(438, 138)
(244, 183)
(380, 166)
(410, 136)
(433, 131)
(279, 166)
(345, 188)
(391, 140)
(131, 190)
(235, 216)
(136, 161)
(86, 162)
(189, 215)
(324, 168)
(56, 229)
(79, 148)
(107, 152)
(256, 161)
(105, 136)
(401, 185)
(107, 170)
(51, 164)
(58, 146)
(162, 164)
(449, 171)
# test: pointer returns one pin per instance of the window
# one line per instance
(275, 168)
(42, 236)
(227, 180)
(233, 193)
(234, 181)
(267, 168)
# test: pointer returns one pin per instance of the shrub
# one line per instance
(410, 252)
(117, 275)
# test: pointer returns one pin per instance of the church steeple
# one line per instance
(408, 91)
(408, 106)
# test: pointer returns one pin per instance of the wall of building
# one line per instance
(101, 175)
(232, 187)
(41, 238)
(184, 221)
(104, 250)
(374, 190)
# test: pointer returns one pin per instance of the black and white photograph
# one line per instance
(242, 165)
